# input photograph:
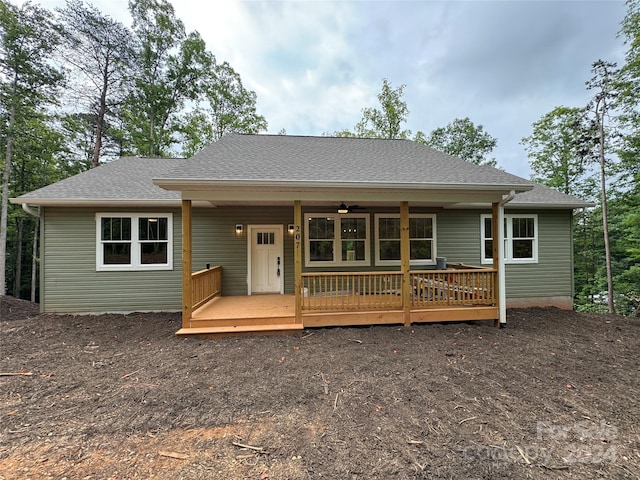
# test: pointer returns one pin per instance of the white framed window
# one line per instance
(422, 239)
(336, 239)
(520, 238)
(134, 241)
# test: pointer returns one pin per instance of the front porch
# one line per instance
(402, 296)
(461, 292)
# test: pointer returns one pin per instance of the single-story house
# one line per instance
(279, 232)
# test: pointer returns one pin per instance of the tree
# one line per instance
(172, 67)
(463, 139)
(228, 107)
(28, 38)
(100, 50)
(628, 100)
(603, 82)
(383, 122)
(560, 148)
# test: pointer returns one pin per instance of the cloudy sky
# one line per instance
(315, 64)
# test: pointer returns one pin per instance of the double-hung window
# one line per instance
(336, 239)
(134, 241)
(422, 239)
(520, 238)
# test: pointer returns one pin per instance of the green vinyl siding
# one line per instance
(215, 242)
(459, 240)
(459, 236)
(553, 274)
(70, 282)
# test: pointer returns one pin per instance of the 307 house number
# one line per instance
(298, 236)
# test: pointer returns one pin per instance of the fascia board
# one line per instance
(295, 185)
(92, 202)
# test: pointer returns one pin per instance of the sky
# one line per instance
(315, 65)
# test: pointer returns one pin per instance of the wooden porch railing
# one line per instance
(351, 291)
(462, 285)
(205, 285)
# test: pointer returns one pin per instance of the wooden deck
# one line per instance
(254, 313)
(276, 313)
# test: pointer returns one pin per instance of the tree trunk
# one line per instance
(605, 222)
(17, 285)
(102, 109)
(5, 196)
(34, 259)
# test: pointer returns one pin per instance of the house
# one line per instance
(272, 232)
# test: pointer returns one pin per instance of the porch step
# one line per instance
(230, 329)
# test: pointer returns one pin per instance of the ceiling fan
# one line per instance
(344, 208)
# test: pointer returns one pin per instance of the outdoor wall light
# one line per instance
(239, 229)
(291, 228)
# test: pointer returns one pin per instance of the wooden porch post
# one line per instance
(297, 253)
(405, 251)
(187, 307)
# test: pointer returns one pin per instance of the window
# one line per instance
(134, 241)
(336, 239)
(422, 237)
(520, 238)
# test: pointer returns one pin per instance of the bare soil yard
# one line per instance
(555, 395)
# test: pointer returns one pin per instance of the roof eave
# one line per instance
(198, 183)
(96, 202)
(571, 206)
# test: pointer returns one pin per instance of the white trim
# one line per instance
(507, 242)
(502, 274)
(337, 261)
(249, 239)
(434, 245)
(135, 264)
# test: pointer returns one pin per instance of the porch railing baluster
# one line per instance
(462, 285)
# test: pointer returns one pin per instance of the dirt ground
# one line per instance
(555, 395)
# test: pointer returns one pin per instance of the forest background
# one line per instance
(78, 88)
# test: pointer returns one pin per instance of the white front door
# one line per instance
(266, 259)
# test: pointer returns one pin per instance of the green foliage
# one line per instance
(560, 149)
(171, 70)
(463, 139)
(228, 107)
(128, 92)
(386, 121)
(28, 84)
(100, 54)
(383, 122)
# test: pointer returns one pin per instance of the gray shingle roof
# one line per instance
(238, 157)
(545, 196)
(268, 158)
(126, 179)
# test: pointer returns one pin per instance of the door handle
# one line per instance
(278, 272)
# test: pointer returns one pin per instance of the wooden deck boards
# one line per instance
(252, 306)
(275, 313)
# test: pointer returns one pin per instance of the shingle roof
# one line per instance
(126, 179)
(545, 196)
(277, 158)
(238, 157)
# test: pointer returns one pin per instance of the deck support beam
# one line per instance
(405, 252)
(297, 254)
(187, 307)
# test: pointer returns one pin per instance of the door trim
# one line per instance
(250, 230)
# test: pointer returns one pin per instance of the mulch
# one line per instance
(555, 395)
